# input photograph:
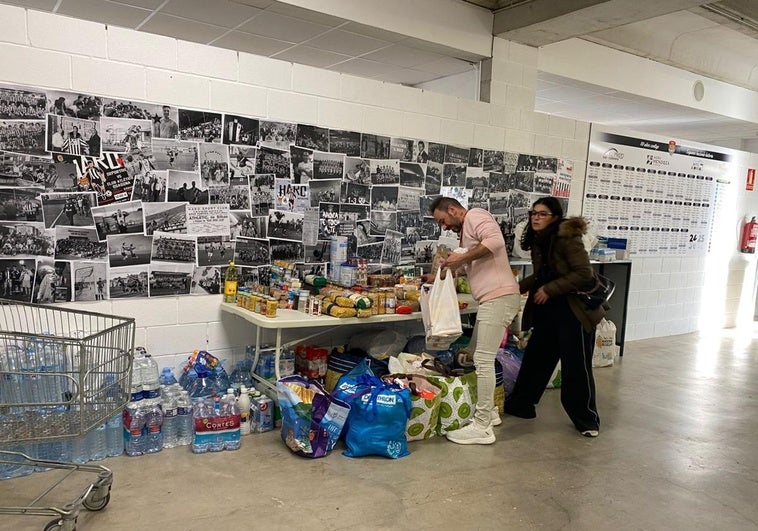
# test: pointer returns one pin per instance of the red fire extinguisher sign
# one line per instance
(749, 236)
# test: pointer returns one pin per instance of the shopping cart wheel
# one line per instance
(96, 505)
(61, 525)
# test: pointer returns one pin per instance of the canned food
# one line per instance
(389, 306)
(381, 301)
(271, 306)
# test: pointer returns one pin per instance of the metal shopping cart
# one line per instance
(63, 373)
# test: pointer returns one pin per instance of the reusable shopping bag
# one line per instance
(439, 312)
(379, 413)
(425, 405)
(457, 397)
(312, 420)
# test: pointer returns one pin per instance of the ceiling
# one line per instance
(278, 30)
(718, 40)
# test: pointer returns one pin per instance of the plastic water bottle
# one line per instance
(167, 377)
(184, 377)
(230, 412)
(185, 423)
(134, 429)
(265, 413)
(57, 450)
(51, 357)
(36, 392)
(114, 436)
(10, 385)
(170, 427)
(202, 411)
(243, 402)
(241, 376)
(254, 411)
(154, 425)
(97, 445)
(136, 389)
(287, 363)
(16, 467)
(79, 450)
(216, 443)
(150, 378)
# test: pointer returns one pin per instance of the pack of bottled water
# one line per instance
(35, 371)
(217, 424)
(143, 415)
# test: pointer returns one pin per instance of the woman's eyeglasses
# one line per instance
(539, 214)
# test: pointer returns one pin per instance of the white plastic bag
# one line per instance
(379, 344)
(605, 350)
(439, 312)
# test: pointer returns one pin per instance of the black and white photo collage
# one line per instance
(105, 198)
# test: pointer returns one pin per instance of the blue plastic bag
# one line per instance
(379, 413)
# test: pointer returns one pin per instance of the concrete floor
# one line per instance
(676, 451)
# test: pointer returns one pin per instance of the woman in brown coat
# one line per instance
(562, 327)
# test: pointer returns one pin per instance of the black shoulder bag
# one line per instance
(601, 291)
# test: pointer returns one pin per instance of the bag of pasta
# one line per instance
(312, 419)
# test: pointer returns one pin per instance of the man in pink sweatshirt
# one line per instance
(494, 287)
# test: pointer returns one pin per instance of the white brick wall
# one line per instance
(421, 126)
(87, 76)
(401, 97)
(455, 132)
(14, 24)
(37, 49)
(361, 90)
(63, 34)
(289, 107)
(382, 121)
(207, 61)
(519, 141)
(666, 293)
(164, 86)
(488, 137)
(266, 72)
(29, 66)
(547, 145)
(141, 48)
(535, 122)
(437, 105)
(340, 115)
(316, 81)
(473, 111)
(238, 98)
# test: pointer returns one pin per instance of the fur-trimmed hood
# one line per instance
(574, 227)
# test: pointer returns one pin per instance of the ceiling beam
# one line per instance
(542, 22)
(525, 14)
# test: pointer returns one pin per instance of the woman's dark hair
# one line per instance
(554, 206)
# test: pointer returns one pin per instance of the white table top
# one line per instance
(295, 319)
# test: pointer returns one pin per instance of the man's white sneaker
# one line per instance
(495, 415)
(471, 434)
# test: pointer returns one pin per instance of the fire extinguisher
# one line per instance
(749, 236)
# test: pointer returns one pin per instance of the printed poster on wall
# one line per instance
(655, 192)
